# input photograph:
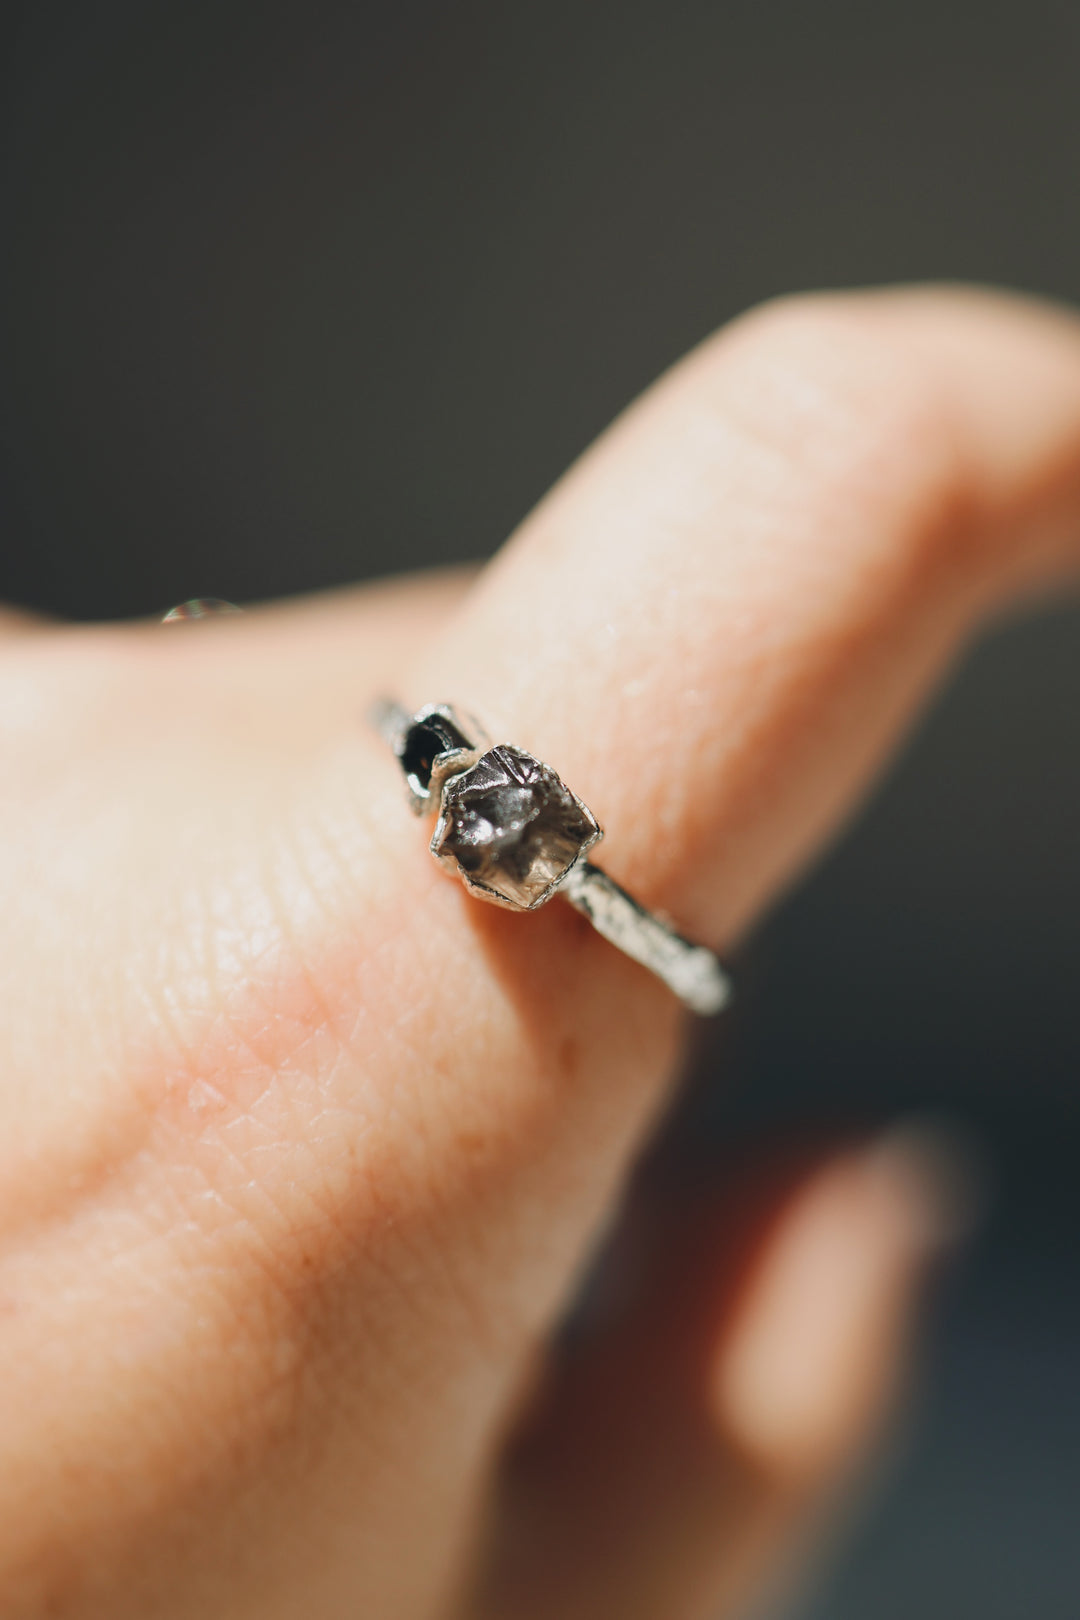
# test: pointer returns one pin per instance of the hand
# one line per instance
(303, 1149)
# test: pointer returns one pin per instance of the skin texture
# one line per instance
(302, 1151)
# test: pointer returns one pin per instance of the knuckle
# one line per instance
(860, 434)
(844, 385)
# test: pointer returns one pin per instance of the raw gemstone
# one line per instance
(424, 741)
(512, 827)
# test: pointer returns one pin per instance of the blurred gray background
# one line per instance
(298, 294)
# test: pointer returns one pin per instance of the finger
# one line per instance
(400, 613)
(714, 629)
(148, 778)
(340, 642)
(357, 1128)
(678, 1458)
(16, 622)
(719, 620)
(176, 735)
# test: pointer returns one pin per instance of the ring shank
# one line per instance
(691, 971)
(391, 721)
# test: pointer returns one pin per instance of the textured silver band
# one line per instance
(517, 836)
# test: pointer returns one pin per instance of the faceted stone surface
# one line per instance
(512, 826)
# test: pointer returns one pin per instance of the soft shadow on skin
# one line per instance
(571, 989)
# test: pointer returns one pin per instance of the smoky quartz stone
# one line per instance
(512, 828)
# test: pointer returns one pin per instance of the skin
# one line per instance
(302, 1151)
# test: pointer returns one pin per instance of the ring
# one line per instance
(511, 829)
(199, 607)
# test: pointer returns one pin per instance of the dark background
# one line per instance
(297, 294)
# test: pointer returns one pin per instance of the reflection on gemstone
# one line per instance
(200, 607)
(511, 827)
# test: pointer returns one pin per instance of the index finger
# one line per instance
(719, 620)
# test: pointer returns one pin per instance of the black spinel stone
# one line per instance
(512, 826)
(424, 740)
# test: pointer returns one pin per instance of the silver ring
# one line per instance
(516, 836)
(199, 607)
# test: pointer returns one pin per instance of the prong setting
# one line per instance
(511, 829)
(515, 835)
